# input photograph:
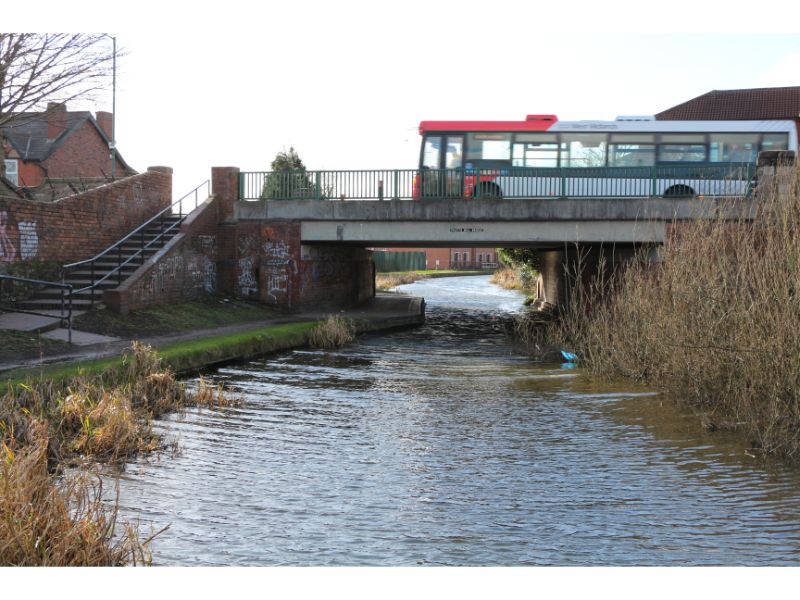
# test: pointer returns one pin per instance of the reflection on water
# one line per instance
(440, 445)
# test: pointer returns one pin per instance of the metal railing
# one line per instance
(115, 251)
(723, 179)
(65, 311)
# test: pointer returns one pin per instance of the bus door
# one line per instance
(442, 166)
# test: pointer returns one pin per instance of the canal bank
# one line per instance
(203, 349)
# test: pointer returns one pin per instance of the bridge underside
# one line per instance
(487, 234)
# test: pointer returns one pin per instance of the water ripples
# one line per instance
(442, 446)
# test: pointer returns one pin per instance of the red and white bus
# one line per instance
(633, 156)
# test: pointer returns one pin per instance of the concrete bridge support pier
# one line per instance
(562, 268)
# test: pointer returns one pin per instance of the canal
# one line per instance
(443, 445)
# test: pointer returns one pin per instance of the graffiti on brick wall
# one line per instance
(246, 276)
(279, 267)
(28, 240)
(7, 250)
(201, 274)
(204, 271)
(161, 278)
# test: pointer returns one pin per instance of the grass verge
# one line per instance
(182, 357)
(175, 318)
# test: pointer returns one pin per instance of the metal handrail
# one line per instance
(63, 286)
(718, 179)
(117, 270)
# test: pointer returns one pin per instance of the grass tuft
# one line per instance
(333, 332)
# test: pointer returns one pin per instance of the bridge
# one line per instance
(301, 237)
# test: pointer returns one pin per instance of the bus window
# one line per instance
(775, 141)
(583, 149)
(455, 152)
(637, 150)
(733, 147)
(682, 148)
(489, 146)
(535, 150)
(431, 152)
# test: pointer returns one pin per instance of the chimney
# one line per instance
(103, 119)
(56, 119)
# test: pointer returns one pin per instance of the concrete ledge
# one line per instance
(490, 234)
(542, 209)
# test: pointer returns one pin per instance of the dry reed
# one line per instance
(507, 278)
(714, 322)
(58, 521)
(385, 282)
(333, 332)
(49, 519)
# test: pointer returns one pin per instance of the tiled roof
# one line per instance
(738, 105)
(27, 133)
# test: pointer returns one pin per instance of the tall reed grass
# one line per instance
(714, 323)
(51, 518)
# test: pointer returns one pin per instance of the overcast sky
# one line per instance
(346, 84)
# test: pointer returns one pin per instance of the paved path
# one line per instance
(379, 312)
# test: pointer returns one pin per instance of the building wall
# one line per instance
(79, 226)
(445, 258)
(83, 154)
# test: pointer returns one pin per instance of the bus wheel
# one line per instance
(676, 191)
(490, 190)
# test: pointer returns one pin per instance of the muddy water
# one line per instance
(443, 446)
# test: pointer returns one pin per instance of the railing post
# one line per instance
(69, 315)
(91, 289)
(380, 189)
(563, 178)
(317, 186)
(119, 264)
(396, 183)
(653, 181)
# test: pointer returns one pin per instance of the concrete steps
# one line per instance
(82, 276)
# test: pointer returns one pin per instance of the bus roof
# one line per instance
(541, 123)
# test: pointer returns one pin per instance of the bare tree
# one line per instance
(37, 68)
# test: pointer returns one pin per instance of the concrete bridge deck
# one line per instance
(490, 222)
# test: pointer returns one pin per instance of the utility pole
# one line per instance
(113, 145)
(113, 108)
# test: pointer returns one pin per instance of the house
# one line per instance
(454, 258)
(58, 152)
(755, 104)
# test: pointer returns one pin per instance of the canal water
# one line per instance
(442, 445)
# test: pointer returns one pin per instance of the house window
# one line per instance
(12, 173)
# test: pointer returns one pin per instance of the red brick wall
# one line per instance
(79, 226)
(266, 261)
(83, 154)
(184, 269)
